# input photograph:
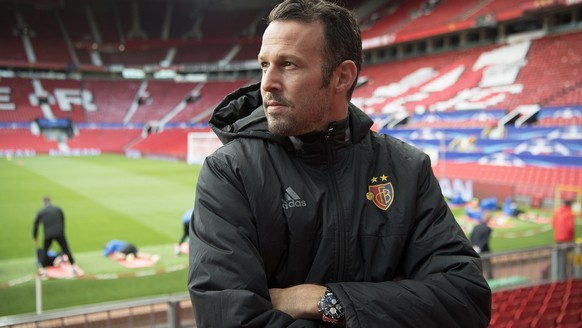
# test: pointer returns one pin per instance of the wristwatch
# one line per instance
(330, 307)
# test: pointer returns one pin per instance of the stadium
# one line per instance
(104, 106)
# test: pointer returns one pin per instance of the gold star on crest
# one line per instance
(384, 177)
(374, 179)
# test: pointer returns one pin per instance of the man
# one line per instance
(307, 218)
(480, 239)
(53, 221)
(186, 217)
(482, 233)
(563, 223)
(122, 250)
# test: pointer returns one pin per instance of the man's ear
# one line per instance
(346, 74)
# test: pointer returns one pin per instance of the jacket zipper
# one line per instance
(337, 200)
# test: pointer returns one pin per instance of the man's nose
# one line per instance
(270, 81)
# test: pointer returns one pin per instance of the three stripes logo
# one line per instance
(291, 199)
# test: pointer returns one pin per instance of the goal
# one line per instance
(573, 193)
(200, 145)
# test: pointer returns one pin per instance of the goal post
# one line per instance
(573, 193)
(200, 145)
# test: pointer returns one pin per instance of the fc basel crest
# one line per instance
(381, 194)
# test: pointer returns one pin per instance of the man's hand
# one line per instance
(300, 302)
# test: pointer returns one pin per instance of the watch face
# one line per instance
(330, 307)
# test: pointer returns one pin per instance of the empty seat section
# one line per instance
(515, 308)
(551, 71)
(528, 181)
(18, 140)
(67, 101)
(48, 40)
(210, 95)
(390, 19)
(440, 17)
(161, 98)
(112, 99)
(106, 140)
(503, 9)
(10, 35)
(18, 91)
(171, 142)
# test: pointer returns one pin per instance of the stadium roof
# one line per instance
(209, 4)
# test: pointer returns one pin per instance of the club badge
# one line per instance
(381, 194)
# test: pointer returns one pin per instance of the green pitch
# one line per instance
(105, 197)
(137, 200)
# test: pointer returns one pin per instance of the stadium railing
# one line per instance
(533, 266)
(505, 271)
(165, 311)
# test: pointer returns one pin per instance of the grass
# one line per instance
(105, 197)
(518, 234)
(114, 197)
(68, 293)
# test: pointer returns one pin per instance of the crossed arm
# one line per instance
(300, 302)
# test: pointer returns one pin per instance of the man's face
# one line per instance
(294, 98)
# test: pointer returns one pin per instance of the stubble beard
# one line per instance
(282, 124)
(294, 121)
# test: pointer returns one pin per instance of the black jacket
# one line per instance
(53, 222)
(359, 211)
(480, 236)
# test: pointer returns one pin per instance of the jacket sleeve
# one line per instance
(35, 226)
(442, 283)
(226, 279)
(62, 219)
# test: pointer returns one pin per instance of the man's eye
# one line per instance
(287, 64)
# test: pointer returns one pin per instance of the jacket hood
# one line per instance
(241, 114)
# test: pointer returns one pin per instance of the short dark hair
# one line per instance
(343, 39)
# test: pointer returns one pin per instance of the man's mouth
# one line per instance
(274, 104)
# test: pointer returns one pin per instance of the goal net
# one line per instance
(573, 193)
(200, 145)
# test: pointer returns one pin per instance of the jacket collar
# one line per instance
(241, 115)
(313, 145)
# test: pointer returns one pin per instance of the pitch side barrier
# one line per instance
(533, 266)
(503, 270)
(167, 311)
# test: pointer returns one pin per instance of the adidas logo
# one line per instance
(291, 199)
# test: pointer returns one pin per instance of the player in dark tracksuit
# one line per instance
(53, 222)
